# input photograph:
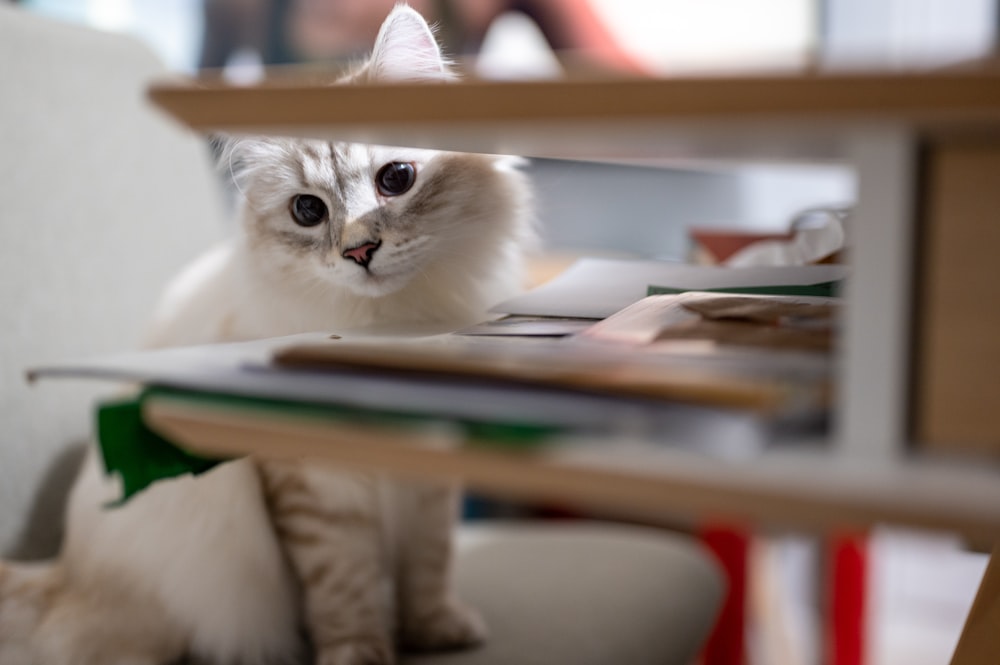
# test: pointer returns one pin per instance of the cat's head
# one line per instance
(375, 219)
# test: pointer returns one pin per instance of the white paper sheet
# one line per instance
(597, 288)
(244, 369)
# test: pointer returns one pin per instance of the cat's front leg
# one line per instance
(330, 526)
(430, 614)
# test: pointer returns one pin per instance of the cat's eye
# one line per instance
(308, 210)
(395, 178)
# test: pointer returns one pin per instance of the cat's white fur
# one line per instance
(192, 565)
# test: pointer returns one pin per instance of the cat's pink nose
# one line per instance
(362, 254)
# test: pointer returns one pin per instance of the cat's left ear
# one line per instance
(405, 50)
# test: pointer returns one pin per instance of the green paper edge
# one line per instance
(141, 457)
(822, 289)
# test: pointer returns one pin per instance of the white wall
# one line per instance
(907, 33)
(102, 199)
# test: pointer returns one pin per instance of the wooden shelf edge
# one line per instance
(959, 95)
(683, 487)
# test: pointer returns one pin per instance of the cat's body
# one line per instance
(230, 566)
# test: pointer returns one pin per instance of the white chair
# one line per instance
(102, 198)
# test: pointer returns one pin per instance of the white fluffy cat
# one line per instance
(228, 568)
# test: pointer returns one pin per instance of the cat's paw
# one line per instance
(357, 652)
(450, 625)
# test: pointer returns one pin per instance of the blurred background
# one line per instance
(642, 210)
(662, 36)
(581, 205)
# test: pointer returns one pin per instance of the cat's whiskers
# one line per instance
(436, 254)
(423, 272)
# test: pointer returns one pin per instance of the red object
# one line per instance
(727, 643)
(848, 580)
(722, 244)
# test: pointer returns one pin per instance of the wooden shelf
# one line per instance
(793, 117)
(813, 489)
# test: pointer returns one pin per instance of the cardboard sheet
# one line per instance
(597, 288)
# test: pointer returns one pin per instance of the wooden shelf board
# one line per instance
(791, 117)
(814, 492)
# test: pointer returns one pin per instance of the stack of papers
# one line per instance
(597, 288)
(606, 379)
(606, 368)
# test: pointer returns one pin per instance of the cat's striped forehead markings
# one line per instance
(355, 166)
(335, 167)
(309, 149)
(300, 171)
(315, 168)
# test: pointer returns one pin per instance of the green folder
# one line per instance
(142, 457)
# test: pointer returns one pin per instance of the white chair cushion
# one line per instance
(584, 594)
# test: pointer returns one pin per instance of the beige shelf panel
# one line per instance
(805, 491)
(801, 118)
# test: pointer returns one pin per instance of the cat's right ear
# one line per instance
(406, 50)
